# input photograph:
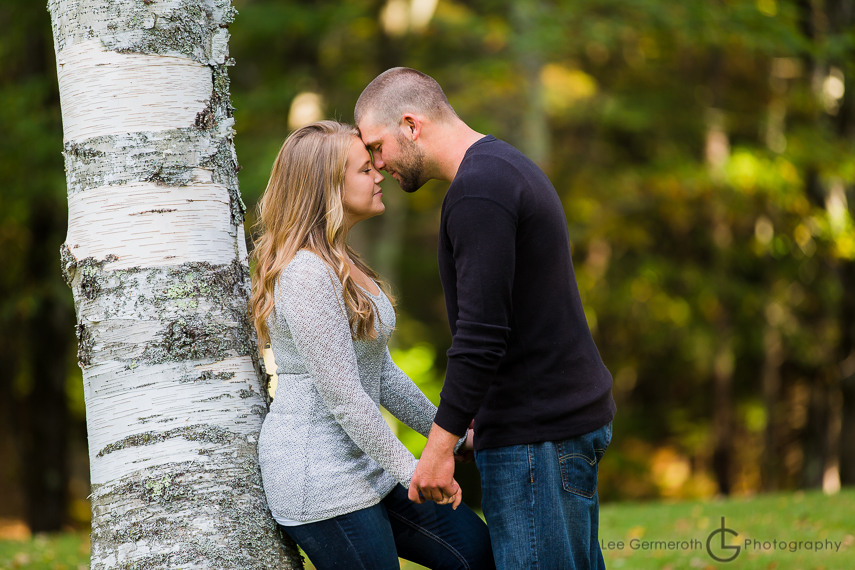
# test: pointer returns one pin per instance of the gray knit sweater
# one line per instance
(324, 448)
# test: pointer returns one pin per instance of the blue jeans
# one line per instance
(540, 501)
(432, 535)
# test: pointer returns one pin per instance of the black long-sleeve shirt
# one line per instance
(522, 360)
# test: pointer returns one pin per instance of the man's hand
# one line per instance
(433, 479)
(466, 453)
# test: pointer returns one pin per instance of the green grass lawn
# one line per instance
(644, 529)
(761, 520)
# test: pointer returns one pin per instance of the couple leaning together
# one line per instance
(522, 362)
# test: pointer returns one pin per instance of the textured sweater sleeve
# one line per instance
(481, 233)
(315, 311)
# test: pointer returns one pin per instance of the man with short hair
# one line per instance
(522, 362)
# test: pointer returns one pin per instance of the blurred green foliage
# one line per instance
(703, 152)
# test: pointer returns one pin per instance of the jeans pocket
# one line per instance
(579, 459)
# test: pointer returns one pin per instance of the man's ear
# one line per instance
(412, 126)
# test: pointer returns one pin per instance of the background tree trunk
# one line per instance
(43, 414)
(156, 259)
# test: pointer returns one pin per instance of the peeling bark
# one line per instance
(156, 259)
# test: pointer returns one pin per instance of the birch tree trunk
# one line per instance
(156, 259)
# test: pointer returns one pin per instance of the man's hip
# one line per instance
(540, 501)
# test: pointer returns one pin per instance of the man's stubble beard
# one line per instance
(411, 165)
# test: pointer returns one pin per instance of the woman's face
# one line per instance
(362, 198)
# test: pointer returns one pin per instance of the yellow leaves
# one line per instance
(844, 246)
(803, 238)
(767, 7)
(563, 87)
(670, 470)
(742, 171)
(789, 173)
(679, 311)
(753, 173)
(497, 34)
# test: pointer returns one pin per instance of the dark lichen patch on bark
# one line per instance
(214, 509)
(208, 376)
(163, 489)
(189, 29)
(154, 211)
(220, 397)
(220, 101)
(88, 270)
(85, 345)
(194, 311)
(206, 120)
(148, 419)
(68, 263)
(166, 158)
(172, 290)
(193, 338)
(199, 433)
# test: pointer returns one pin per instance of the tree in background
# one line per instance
(156, 258)
(37, 420)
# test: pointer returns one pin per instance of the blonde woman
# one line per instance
(335, 475)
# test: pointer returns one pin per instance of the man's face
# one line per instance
(393, 152)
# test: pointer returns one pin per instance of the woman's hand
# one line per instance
(454, 499)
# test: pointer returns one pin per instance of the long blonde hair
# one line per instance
(302, 208)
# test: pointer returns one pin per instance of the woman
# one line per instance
(335, 476)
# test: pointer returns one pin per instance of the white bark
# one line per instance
(136, 92)
(144, 224)
(156, 259)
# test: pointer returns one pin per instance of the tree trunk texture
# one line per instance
(723, 412)
(535, 140)
(770, 463)
(156, 259)
(830, 442)
(842, 17)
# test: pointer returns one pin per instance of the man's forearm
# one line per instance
(441, 441)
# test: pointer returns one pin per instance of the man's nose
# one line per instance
(378, 161)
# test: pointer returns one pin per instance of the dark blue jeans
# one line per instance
(432, 535)
(540, 501)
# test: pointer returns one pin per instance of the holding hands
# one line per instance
(433, 479)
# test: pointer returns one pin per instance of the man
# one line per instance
(522, 362)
